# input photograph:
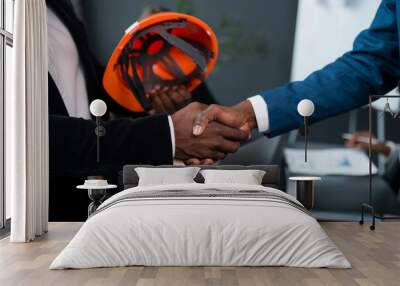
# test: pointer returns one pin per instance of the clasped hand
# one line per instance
(204, 134)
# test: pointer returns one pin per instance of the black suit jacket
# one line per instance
(72, 142)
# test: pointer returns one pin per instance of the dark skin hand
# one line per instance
(168, 99)
(376, 148)
(239, 116)
(195, 161)
(213, 144)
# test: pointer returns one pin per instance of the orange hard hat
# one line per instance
(167, 49)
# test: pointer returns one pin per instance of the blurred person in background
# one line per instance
(389, 149)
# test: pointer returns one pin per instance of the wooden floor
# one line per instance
(375, 257)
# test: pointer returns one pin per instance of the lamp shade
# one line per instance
(98, 107)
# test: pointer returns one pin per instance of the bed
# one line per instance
(198, 224)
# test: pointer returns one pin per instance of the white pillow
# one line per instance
(166, 176)
(247, 177)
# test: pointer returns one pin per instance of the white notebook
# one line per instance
(338, 161)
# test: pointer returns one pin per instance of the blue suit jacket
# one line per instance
(372, 67)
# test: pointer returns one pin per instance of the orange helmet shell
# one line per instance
(175, 49)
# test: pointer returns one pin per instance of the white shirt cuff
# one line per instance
(392, 147)
(172, 131)
(261, 112)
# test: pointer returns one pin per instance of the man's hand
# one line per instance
(195, 161)
(239, 116)
(168, 99)
(214, 142)
(357, 139)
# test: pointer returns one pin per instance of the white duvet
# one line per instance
(201, 231)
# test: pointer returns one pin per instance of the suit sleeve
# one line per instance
(73, 144)
(372, 67)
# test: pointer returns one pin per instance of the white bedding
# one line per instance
(188, 231)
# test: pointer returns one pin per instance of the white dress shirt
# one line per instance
(65, 67)
(172, 132)
(261, 112)
(67, 72)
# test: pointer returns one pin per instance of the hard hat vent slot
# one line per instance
(155, 47)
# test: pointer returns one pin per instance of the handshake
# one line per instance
(205, 134)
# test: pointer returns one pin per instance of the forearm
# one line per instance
(73, 144)
(333, 90)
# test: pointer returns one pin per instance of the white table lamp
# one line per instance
(98, 108)
(305, 108)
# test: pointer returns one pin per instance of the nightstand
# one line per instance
(97, 190)
(305, 187)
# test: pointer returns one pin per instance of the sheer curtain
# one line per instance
(27, 124)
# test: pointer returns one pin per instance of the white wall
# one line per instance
(326, 29)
